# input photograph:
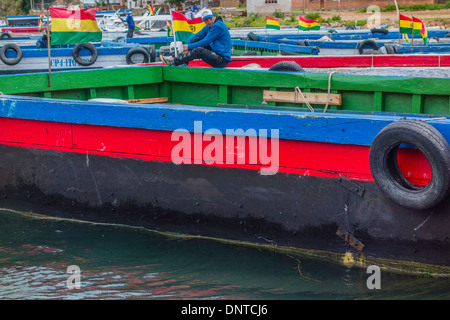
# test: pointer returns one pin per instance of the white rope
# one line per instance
(296, 92)
(357, 44)
(329, 91)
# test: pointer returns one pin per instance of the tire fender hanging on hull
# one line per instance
(387, 174)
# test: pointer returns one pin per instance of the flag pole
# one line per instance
(412, 38)
(49, 83)
(174, 34)
(398, 16)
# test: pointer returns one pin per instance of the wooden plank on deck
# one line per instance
(311, 97)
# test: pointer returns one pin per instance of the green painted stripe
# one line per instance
(58, 38)
(183, 36)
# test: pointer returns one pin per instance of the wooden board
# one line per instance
(311, 97)
(149, 100)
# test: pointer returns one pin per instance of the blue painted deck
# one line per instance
(251, 45)
(333, 127)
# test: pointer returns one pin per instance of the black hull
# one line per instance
(236, 204)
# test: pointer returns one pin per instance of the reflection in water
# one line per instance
(118, 262)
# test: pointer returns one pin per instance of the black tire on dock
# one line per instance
(288, 53)
(383, 31)
(286, 66)
(386, 172)
(252, 36)
(81, 61)
(11, 61)
(367, 43)
(5, 36)
(303, 43)
(137, 51)
(390, 49)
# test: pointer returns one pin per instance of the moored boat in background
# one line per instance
(15, 58)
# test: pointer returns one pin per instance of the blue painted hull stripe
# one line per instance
(357, 129)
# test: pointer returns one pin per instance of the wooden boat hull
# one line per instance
(309, 185)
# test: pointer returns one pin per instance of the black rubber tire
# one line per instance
(250, 53)
(152, 53)
(11, 61)
(365, 43)
(447, 35)
(390, 49)
(383, 31)
(304, 43)
(5, 36)
(90, 47)
(387, 175)
(286, 66)
(137, 50)
(252, 36)
(350, 27)
(288, 53)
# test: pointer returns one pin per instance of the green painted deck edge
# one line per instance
(365, 93)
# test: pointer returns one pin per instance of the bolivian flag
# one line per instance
(151, 10)
(137, 27)
(184, 28)
(74, 26)
(169, 29)
(272, 23)
(308, 24)
(406, 27)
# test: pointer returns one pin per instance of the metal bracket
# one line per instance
(351, 240)
(351, 186)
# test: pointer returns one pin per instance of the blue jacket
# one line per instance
(42, 42)
(217, 37)
(129, 21)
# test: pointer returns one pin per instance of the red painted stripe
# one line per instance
(64, 13)
(295, 157)
(402, 60)
(23, 29)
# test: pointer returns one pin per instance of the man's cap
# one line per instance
(207, 14)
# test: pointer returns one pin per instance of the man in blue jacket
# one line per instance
(130, 23)
(215, 35)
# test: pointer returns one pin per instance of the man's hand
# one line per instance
(185, 48)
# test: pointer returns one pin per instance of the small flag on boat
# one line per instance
(423, 29)
(137, 27)
(406, 27)
(308, 24)
(272, 23)
(151, 10)
(185, 28)
(74, 26)
(169, 29)
(40, 22)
